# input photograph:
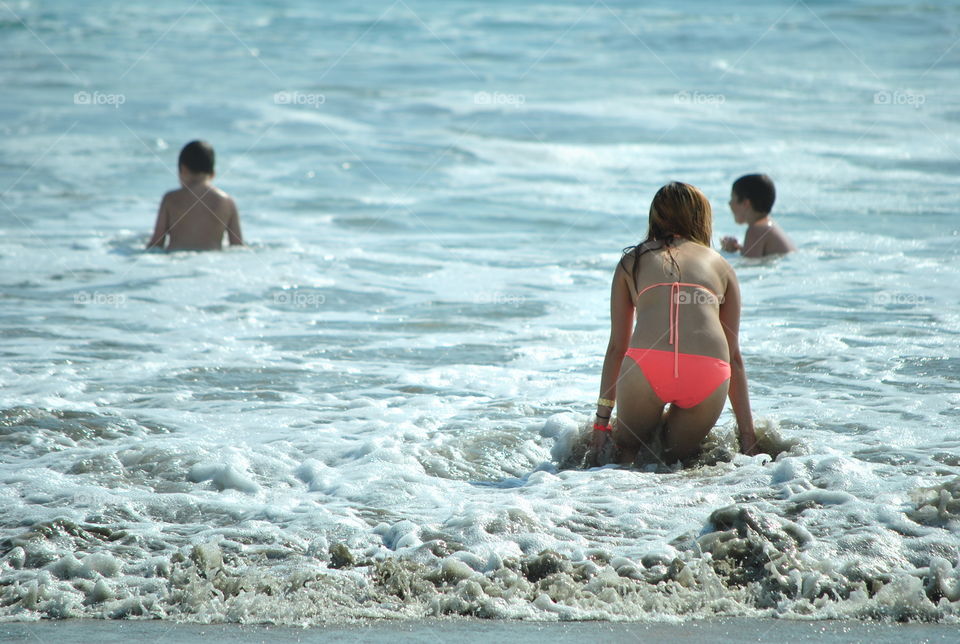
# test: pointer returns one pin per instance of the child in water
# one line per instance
(196, 216)
(751, 201)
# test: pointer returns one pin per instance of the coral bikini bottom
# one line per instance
(701, 375)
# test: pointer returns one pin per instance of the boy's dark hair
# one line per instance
(197, 156)
(758, 188)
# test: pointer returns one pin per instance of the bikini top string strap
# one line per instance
(675, 326)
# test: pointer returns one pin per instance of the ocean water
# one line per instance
(377, 408)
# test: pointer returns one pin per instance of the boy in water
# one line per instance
(751, 201)
(196, 216)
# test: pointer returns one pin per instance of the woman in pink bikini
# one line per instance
(684, 346)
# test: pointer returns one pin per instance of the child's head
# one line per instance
(196, 158)
(752, 197)
(682, 210)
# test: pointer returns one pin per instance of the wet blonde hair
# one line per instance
(678, 211)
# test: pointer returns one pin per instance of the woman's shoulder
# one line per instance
(715, 256)
(625, 267)
(721, 267)
(631, 254)
(635, 257)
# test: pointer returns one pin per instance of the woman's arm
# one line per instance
(622, 314)
(739, 397)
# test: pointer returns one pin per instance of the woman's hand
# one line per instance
(748, 443)
(600, 441)
(599, 445)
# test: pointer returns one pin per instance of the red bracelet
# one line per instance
(601, 428)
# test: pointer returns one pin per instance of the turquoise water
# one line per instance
(434, 196)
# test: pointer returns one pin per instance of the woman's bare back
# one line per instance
(698, 321)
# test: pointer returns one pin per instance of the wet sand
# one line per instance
(468, 631)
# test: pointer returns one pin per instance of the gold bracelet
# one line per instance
(605, 402)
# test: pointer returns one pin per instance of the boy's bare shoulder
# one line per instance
(756, 233)
(781, 242)
(756, 242)
(767, 240)
(209, 193)
(179, 194)
(221, 197)
(220, 193)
